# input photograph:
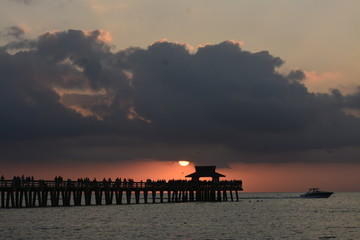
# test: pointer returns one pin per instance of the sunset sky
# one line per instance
(268, 91)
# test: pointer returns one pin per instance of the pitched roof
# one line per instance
(205, 171)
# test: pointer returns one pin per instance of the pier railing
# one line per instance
(37, 193)
(15, 184)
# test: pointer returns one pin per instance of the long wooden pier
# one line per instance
(40, 193)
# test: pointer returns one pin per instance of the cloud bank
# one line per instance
(68, 96)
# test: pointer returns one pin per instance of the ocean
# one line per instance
(255, 216)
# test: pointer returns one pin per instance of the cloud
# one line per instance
(321, 82)
(216, 104)
(14, 31)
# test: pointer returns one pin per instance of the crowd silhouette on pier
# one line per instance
(28, 192)
(59, 181)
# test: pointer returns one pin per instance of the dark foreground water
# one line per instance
(255, 216)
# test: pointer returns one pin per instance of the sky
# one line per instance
(268, 91)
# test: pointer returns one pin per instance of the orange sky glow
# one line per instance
(256, 177)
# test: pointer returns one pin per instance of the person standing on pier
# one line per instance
(2, 180)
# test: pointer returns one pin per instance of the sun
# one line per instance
(184, 163)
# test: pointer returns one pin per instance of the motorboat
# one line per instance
(316, 193)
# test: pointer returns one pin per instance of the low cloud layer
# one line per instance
(68, 96)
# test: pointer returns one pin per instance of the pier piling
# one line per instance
(40, 193)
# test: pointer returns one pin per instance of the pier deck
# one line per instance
(40, 193)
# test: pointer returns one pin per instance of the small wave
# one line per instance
(279, 197)
(327, 237)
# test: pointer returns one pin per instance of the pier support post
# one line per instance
(128, 196)
(107, 197)
(26, 198)
(174, 198)
(12, 199)
(39, 196)
(118, 196)
(111, 196)
(8, 199)
(87, 194)
(198, 195)
(219, 195)
(30, 198)
(17, 198)
(67, 198)
(77, 194)
(206, 195)
(225, 199)
(169, 195)
(98, 197)
(161, 196)
(44, 198)
(212, 196)
(33, 204)
(137, 196)
(191, 195)
(2, 199)
(21, 198)
(145, 196)
(54, 198)
(153, 194)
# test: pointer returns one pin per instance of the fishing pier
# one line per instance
(72, 193)
(29, 193)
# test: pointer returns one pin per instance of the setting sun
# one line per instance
(184, 163)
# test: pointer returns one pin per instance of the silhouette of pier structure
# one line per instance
(205, 171)
(18, 193)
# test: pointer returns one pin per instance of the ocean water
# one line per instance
(255, 216)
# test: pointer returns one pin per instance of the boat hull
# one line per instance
(317, 195)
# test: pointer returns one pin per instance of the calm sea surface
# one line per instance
(255, 216)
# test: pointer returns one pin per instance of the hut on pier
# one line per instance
(205, 171)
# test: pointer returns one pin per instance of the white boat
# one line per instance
(316, 193)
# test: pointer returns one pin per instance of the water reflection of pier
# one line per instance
(40, 193)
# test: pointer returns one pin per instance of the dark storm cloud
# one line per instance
(224, 95)
(296, 75)
(352, 101)
(69, 92)
(30, 108)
